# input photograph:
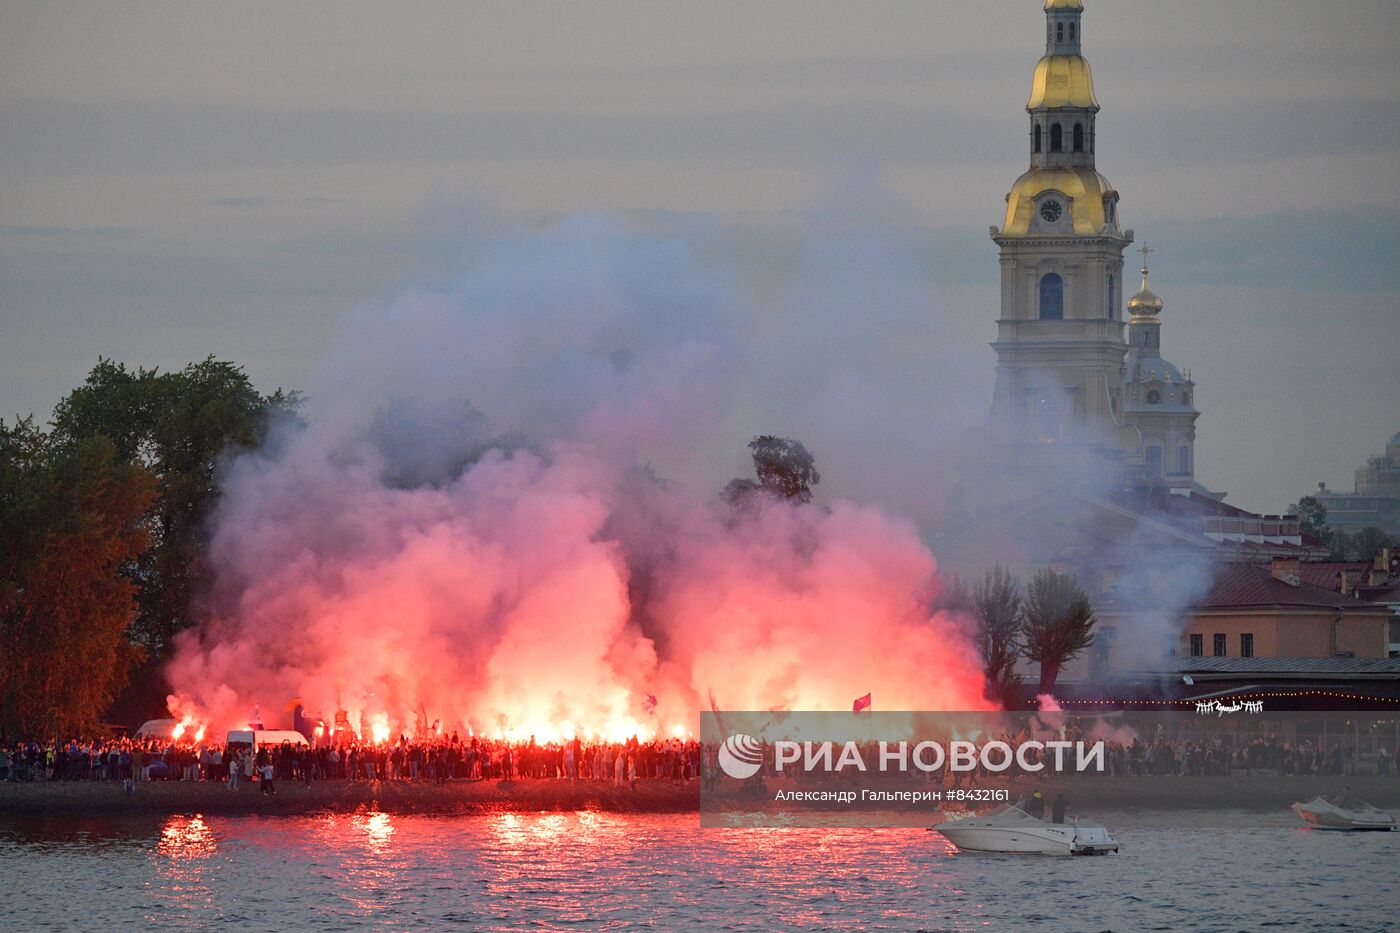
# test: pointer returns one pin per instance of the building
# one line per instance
(1060, 347)
(1253, 611)
(1375, 501)
(1158, 399)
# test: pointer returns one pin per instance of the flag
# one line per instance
(255, 720)
(861, 703)
(650, 703)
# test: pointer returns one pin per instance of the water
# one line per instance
(1211, 871)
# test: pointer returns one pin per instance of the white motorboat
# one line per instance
(1011, 829)
(1321, 813)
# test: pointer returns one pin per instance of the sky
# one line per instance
(186, 179)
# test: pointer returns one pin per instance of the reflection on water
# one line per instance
(550, 870)
(183, 878)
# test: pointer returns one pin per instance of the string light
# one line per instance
(1337, 694)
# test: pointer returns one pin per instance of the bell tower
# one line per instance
(1060, 344)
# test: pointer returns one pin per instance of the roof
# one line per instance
(1251, 586)
(1384, 668)
(1328, 573)
(1062, 81)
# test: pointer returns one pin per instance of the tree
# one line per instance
(996, 601)
(179, 426)
(1059, 624)
(71, 519)
(1312, 516)
(785, 470)
(1370, 541)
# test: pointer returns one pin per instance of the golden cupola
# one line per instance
(1145, 305)
(1063, 109)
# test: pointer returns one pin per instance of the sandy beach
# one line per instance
(1258, 792)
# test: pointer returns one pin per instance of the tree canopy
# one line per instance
(785, 469)
(1059, 624)
(72, 519)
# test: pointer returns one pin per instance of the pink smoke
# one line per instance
(459, 531)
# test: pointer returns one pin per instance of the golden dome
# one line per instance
(1064, 5)
(1145, 305)
(1062, 81)
(1084, 187)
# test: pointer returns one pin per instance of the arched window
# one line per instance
(1059, 32)
(1183, 460)
(1057, 138)
(1079, 137)
(1037, 138)
(1052, 297)
(1071, 32)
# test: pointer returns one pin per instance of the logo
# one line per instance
(741, 756)
(1220, 709)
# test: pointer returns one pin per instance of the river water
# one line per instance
(1206, 871)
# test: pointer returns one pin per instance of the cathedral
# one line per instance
(1087, 461)
(1067, 373)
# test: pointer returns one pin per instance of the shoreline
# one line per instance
(1257, 792)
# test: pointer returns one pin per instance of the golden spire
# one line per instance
(1145, 305)
(1064, 4)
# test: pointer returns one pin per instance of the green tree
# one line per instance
(179, 426)
(785, 470)
(1370, 541)
(1059, 624)
(1312, 516)
(71, 519)
(996, 601)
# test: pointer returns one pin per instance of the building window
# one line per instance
(1219, 645)
(1059, 32)
(1247, 645)
(1183, 460)
(1198, 645)
(1057, 138)
(1079, 137)
(1154, 462)
(1112, 296)
(1071, 32)
(1052, 297)
(1037, 138)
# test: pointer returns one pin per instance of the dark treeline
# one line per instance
(103, 529)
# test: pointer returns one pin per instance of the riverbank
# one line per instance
(1257, 792)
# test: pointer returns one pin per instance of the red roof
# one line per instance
(1252, 586)
(1328, 573)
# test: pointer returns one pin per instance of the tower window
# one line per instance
(1183, 460)
(1112, 296)
(1037, 138)
(1057, 138)
(1059, 32)
(1154, 462)
(1052, 297)
(1071, 32)
(1079, 137)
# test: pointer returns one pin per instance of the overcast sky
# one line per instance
(181, 179)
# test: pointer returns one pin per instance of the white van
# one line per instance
(257, 738)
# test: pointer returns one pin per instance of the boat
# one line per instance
(1008, 828)
(1344, 814)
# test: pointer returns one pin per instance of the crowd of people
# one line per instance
(452, 758)
(443, 759)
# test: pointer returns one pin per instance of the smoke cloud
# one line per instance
(499, 509)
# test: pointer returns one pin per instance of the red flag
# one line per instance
(861, 703)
